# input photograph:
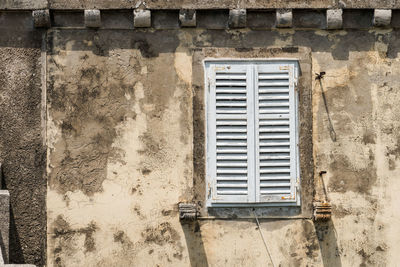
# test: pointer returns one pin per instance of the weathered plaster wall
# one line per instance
(119, 148)
(22, 151)
(362, 165)
(120, 151)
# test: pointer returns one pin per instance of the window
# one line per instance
(252, 133)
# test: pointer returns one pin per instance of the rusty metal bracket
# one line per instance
(187, 212)
(322, 211)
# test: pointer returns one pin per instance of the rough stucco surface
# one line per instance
(22, 152)
(120, 153)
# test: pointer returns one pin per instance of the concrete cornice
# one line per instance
(196, 4)
(140, 17)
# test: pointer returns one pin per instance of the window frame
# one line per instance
(292, 86)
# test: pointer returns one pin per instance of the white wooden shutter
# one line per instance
(252, 152)
(230, 128)
(276, 137)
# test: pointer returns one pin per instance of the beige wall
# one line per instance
(120, 151)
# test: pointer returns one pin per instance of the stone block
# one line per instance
(165, 19)
(382, 17)
(41, 18)
(61, 18)
(237, 18)
(358, 18)
(4, 223)
(261, 19)
(92, 18)
(309, 19)
(334, 19)
(212, 19)
(116, 19)
(187, 17)
(395, 23)
(284, 18)
(141, 18)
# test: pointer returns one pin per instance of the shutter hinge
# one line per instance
(209, 191)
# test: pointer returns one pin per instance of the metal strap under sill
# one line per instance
(252, 218)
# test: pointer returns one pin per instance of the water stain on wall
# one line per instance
(347, 177)
(64, 238)
(91, 107)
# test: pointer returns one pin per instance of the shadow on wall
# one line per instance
(195, 245)
(327, 239)
(149, 45)
(15, 249)
(16, 255)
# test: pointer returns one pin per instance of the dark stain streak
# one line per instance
(145, 171)
(67, 128)
(92, 106)
(309, 234)
(290, 49)
(369, 137)
(365, 257)
(161, 235)
(395, 150)
(392, 164)
(166, 212)
(63, 234)
(178, 255)
(144, 48)
(121, 237)
(243, 49)
(339, 211)
(346, 177)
